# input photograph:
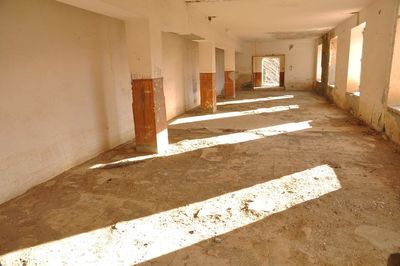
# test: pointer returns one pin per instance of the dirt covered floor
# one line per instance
(273, 178)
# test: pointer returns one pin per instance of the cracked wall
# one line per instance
(370, 105)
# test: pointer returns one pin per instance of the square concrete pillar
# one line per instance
(230, 86)
(257, 68)
(257, 79)
(208, 94)
(148, 104)
(148, 101)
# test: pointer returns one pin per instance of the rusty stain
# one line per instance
(292, 35)
(208, 95)
(257, 77)
(149, 111)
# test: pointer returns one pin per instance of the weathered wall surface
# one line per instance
(219, 71)
(392, 125)
(243, 66)
(378, 49)
(299, 60)
(180, 74)
(343, 32)
(394, 86)
(191, 75)
(65, 90)
(371, 105)
(392, 118)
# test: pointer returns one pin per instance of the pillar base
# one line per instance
(148, 104)
(208, 95)
(146, 149)
(257, 79)
(282, 79)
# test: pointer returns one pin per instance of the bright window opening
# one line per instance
(271, 72)
(268, 71)
(332, 61)
(355, 58)
(319, 63)
(394, 87)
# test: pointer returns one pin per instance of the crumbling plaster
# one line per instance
(371, 104)
(392, 125)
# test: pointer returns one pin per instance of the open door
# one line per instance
(269, 71)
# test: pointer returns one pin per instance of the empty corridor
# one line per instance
(273, 178)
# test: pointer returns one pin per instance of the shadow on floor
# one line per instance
(83, 199)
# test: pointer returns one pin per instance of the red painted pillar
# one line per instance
(148, 104)
(144, 41)
(257, 79)
(208, 94)
(230, 64)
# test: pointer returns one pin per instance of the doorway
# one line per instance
(271, 67)
(269, 71)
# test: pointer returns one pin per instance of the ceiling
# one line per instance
(278, 19)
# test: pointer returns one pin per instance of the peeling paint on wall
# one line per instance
(369, 104)
(392, 125)
(295, 34)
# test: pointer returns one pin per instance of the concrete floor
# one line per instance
(274, 178)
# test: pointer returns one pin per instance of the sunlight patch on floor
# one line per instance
(196, 144)
(272, 98)
(200, 118)
(139, 240)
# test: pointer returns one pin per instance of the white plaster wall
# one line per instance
(392, 119)
(332, 61)
(380, 18)
(144, 41)
(378, 48)
(192, 75)
(229, 59)
(180, 74)
(207, 57)
(343, 33)
(319, 63)
(173, 69)
(181, 18)
(243, 62)
(300, 60)
(219, 71)
(355, 58)
(65, 91)
(243, 65)
(392, 125)
(394, 90)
